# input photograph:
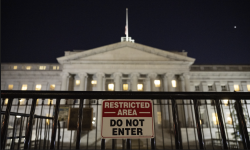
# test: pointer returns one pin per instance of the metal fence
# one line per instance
(182, 120)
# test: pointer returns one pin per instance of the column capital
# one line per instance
(82, 74)
(186, 75)
(134, 74)
(117, 74)
(100, 74)
(169, 75)
(64, 74)
(152, 75)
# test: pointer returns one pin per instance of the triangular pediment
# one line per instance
(123, 51)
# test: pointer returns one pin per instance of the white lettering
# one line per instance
(116, 105)
(133, 105)
(107, 105)
(111, 104)
(125, 111)
(120, 104)
(125, 105)
(142, 105)
(138, 104)
(147, 105)
(119, 112)
(134, 112)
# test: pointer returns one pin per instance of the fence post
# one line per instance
(5, 123)
(222, 130)
(79, 124)
(113, 144)
(128, 144)
(28, 133)
(178, 143)
(53, 135)
(152, 143)
(197, 118)
(242, 124)
(103, 144)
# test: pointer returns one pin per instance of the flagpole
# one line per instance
(127, 24)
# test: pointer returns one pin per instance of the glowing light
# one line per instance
(77, 82)
(139, 87)
(52, 87)
(157, 83)
(173, 83)
(15, 67)
(24, 87)
(236, 87)
(94, 82)
(111, 87)
(38, 87)
(10, 87)
(225, 101)
(125, 87)
(18, 116)
(28, 67)
(215, 118)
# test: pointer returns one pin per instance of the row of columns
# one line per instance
(184, 80)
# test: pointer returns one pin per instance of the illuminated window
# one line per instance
(157, 83)
(18, 116)
(248, 87)
(22, 101)
(6, 101)
(215, 118)
(42, 67)
(200, 121)
(125, 87)
(50, 101)
(10, 87)
(38, 87)
(159, 117)
(225, 101)
(139, 87)
(15, 67)
(229, 119)
(93, 82)
(24, 87)
(37, 101)
(173, 83)
(28, 67)
(111, 87)
(52, 87)
(77, 82)
(236, 87)
(55, 67)
(48, 120)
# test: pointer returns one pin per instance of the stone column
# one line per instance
(117, 77)
(231, 86)
(100, 77)
(64, 85)
(217, 86)
(134, 81)
(187, 82)
(169, 77)
(83, 76)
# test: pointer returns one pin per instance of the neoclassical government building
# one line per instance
(126, 66)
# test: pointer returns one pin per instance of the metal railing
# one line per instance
(182, 120)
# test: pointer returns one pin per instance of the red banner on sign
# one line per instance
(128, 108)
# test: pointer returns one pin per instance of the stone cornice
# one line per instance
(173, 56)
(30, 73)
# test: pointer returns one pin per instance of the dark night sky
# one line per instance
(40, 31)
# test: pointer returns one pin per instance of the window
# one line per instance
(77, 82)
(111, 87)
(210, 88)
(22, 101)
(215, 118)
(52, 87)
(139, 87)
(15, 67)
(197, 88)
(225, 101)
(42, 67)
(55, 67)
(38, 87)
(223, 88)
(229, 119)
(93, 82)
(24, 87)
(48, 120)
(125, 87)
(248, 87)
(157, 83)
(159, 117)
(28, 67)
(10, 87)
(173, 83)
(236, 87)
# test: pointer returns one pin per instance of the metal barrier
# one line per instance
(182, 120)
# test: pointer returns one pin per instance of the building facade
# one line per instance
(128, 66)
